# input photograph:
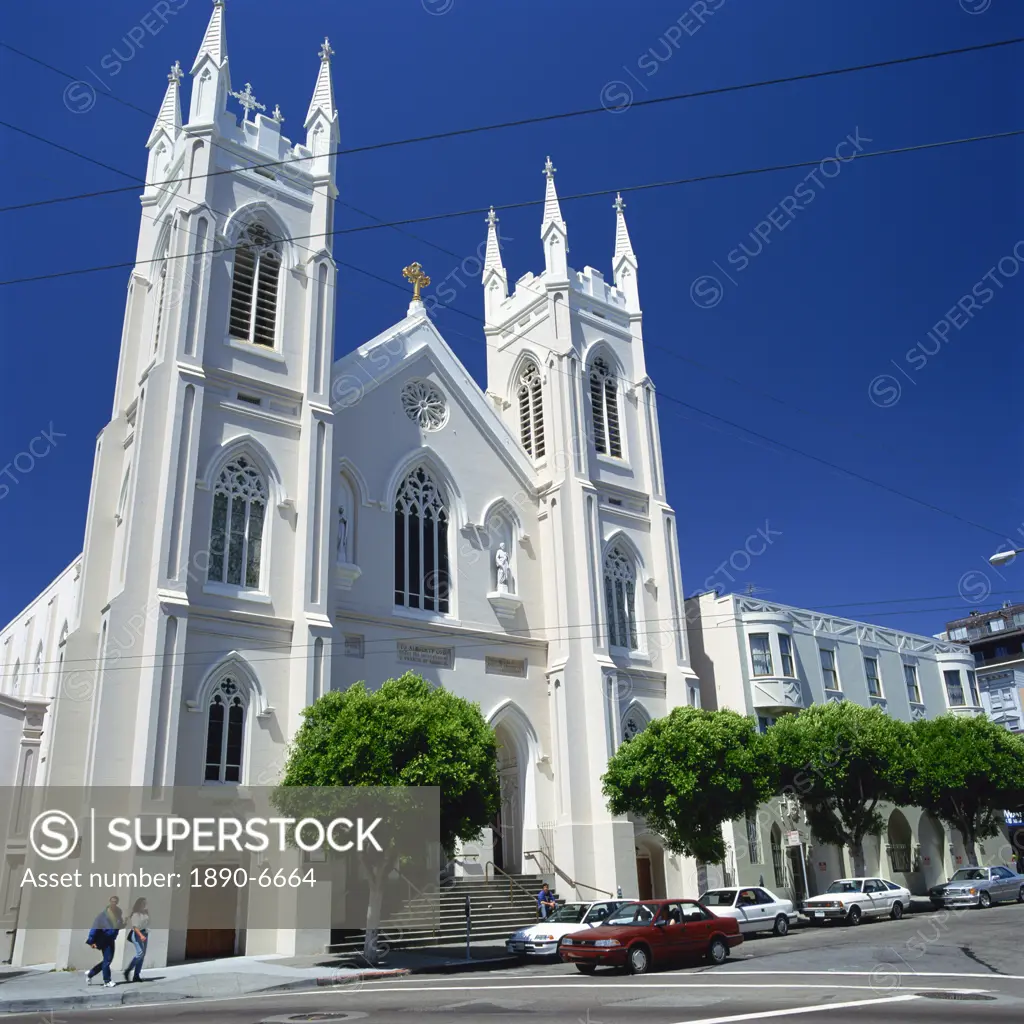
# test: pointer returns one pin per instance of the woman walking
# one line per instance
(138, 932)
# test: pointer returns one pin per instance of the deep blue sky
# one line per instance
(855, 279)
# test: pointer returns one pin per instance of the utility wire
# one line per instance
(538, 202)
(520, 122)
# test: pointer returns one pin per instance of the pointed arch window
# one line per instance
(422, 578)
(225, 733)
(605, 410)
(161, 291)
(620, 597)
(254, 286)
(236, 531)
(531, 410)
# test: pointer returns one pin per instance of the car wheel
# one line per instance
(639, 960)
(854, 916)
(781, 925)
(897, 910)
(984, 900)
(586, 968)
(718, 951)
(1020, 895)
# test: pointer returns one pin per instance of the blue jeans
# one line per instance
(140, 952)
(104, 965)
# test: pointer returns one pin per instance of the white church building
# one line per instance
(266, 523)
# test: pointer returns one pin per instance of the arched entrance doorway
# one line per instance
(898, 848)
(650, 868)
(508, 823)
(932, 839)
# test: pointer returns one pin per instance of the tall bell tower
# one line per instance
(565, 363)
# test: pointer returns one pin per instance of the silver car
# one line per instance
(978, 887)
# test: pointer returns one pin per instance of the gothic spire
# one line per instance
(492, 257)
(552, 211)
(495, 280)
(215, 43)
(624, 262)
(169, 118)
(623, 246)
(323, 93)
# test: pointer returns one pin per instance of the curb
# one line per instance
(465, 966)
(104, 1001)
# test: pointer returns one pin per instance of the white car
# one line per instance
(542, 938)
(852, 899)
(756, 908)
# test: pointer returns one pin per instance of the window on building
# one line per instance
(960, 633)
(761, 654)
(913, 687)
(1018, 618)
(979, 657)
(753, 840)
(605, 410)
(422, 576)
(225, 734)
(972, 684)
(996, 625)
(1001, 652)
(620, 598)
(254, 286)
(531, 411)
(778, 863)
(954, 688)
(828, 668)
(236, 532)
(764, 723)
(786, 650)
(874, 682)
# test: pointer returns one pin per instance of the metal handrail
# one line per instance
(511, 880)
(561, 874)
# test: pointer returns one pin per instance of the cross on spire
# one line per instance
(619, 204)
(492, 218)
(277, 115)
(325, 50)
(175, 75)
(549, 168)
(414, 274)
(247, 101)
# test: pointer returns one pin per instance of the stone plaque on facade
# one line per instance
(353, 645)
(505, 666)
(426, 654)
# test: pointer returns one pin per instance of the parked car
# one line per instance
(852, 899)
(652, 933)
(755, 908)
(542, 938)
(978, 887)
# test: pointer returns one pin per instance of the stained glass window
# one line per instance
(620, 597)
(422, 578)
(236, 531)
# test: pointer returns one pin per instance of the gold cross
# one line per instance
(414, 273)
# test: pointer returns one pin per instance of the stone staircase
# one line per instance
(498, 906)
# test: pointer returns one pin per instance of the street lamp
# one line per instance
(1005, 557)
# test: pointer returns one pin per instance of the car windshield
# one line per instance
(633, 913)
(718, 898)
(969, 875)
(845, 885)
(571, 913)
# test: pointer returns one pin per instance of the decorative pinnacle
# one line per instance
(549, 168)
(619, 205)
(491, 218)
(325, 50)
(414, 274)
(277, 115)
(247, 101)
(175, 75)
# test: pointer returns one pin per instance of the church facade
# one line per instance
(266, 523)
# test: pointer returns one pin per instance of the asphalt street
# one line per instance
(956, 966)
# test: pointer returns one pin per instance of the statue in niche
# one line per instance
(504, 575)
(342, 535)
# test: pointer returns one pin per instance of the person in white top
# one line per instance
(138, 933)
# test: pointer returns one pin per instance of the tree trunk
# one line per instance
(371, 940)
(857, 856)
(970, 848)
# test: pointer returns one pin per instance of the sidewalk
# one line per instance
(26, 990)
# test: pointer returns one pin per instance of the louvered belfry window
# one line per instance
(605, 410)
(531, 411)
(254, 286)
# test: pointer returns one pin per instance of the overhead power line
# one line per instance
(533, 202)
(519, 122)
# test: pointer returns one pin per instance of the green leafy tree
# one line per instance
(687, 773)
(407, 733)
(967, 771)
(840, 760)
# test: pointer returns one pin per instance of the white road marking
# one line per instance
(763, 1014)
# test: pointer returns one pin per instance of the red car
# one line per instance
(638, 936)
